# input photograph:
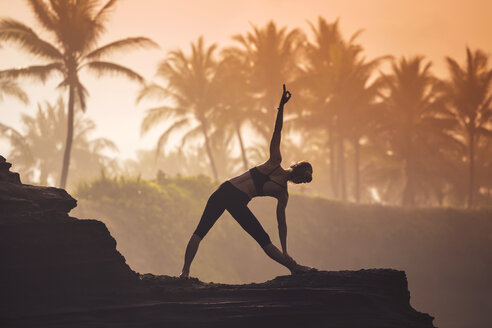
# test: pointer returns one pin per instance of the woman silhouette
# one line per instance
(267, 179)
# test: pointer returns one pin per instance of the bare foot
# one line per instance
(184, 275)
(302, 269)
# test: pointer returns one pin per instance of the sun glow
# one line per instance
(375, 195)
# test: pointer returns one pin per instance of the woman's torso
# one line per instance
(275, 184)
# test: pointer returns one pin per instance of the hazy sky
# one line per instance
(435, 28)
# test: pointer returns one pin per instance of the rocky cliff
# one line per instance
(47, 257)
(59, 271)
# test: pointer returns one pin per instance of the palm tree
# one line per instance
(315, 85)
(335, 84)
(470, 99)
(42, 145)
(190, 85)
(11, 88)
(76, 26)
(272, 55)
(415, 123)
(235, 102)
(357, 107)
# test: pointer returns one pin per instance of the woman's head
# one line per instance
(302, 172)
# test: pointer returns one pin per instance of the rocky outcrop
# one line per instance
(365, 298)
(48, 257)
(59, 271)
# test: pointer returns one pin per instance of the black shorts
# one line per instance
(227, 197)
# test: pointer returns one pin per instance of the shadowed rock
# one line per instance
(59, 271)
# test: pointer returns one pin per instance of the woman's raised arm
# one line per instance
(275, 155)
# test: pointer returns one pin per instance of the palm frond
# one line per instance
(121, 45)
(43, 13)
(81, 95)
(11, 88)
(175, 126)
(17, 140)
(103, 13)
(101, 144)
(38, 72)
(156, 115)
(152, 91)
(484, 132)
(102, 67)
(15, 31)
(193, 133)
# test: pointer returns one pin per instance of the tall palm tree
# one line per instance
(42, 144)
(75, 27)
(416, 123)
(272, 55)
(469, 91)
(357, 107)
(315, 84)
(235, 102)
(191, 87)
(335, 84)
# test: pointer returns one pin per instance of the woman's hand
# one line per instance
(285, 96)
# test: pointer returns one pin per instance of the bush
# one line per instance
(444, 251)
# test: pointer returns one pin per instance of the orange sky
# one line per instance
(435, 28)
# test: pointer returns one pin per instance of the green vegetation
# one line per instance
(376, 130)
(444, 251)
(404, 134)
(37, 148)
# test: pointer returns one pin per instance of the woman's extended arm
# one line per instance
(275, 155)
(281, 220)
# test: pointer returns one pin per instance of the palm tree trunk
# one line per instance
(241, 144)
(408, 197)
(405, 196)
(209, 151)
(357, 171)
(341, 159)
(68, 142)
(334, 184)
(471, 169)
(408, 192)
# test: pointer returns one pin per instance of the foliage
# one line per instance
(38, 149)
(75, 27)
(468, 92)
(444, 251)
(191, 88)
(394, 136)
(11, 88)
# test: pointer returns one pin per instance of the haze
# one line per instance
(433, 28)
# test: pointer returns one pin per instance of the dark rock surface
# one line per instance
(59, 271)
(48, 257)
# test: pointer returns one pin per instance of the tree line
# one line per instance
(399, 135)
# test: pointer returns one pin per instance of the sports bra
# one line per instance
(259, 179)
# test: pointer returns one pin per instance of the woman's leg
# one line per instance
(243, 215)
(213, 210)
(191, 250)
(274, 253)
